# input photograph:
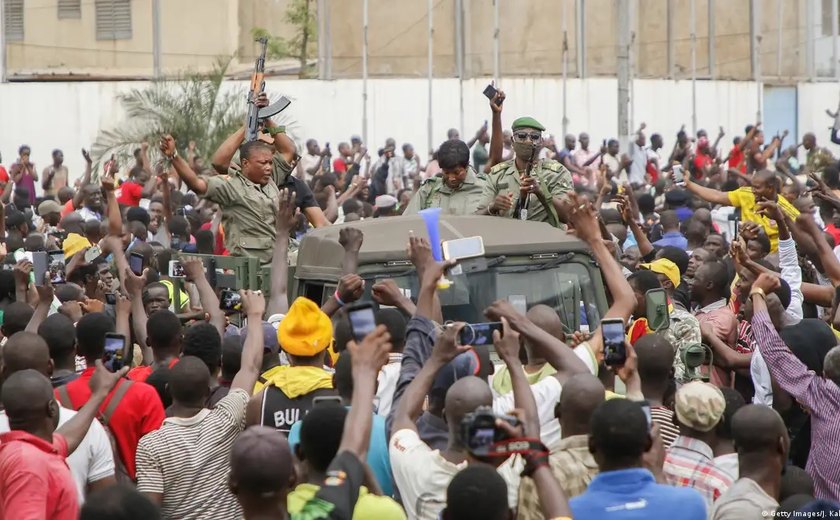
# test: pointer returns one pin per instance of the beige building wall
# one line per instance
(196, 32)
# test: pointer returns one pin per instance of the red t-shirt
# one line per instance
(142, 373)
(220, 240)
(735, 158)
(339, 165)
(139, 413)
(130, 194)
(701, 160)
(4, 175)
(36, 480)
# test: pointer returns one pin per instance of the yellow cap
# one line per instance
(73, 244)
(305, 331)
(666, 267)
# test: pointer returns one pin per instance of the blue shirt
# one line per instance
(629, 494)
(377, 457)
(672, 238)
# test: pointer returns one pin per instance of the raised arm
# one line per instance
(428, 274)
(496, 134)
(350, 288)
(707, 194)
(101, 383)
(367, 359)
(45, 299)
(193, 181)
(787, 370)
(830, 264)
(279, 298)
(111, 206)
(642, 240)
(351, 240)
(224, 153)
(253, 305)
(411, 405)
(134, 285)
(79, 196)
(123, 314)
(194, 272)
(583, 219)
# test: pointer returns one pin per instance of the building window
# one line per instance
(113, 19)
(69, 9)
(13, 20)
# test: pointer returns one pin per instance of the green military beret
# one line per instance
(527, 122)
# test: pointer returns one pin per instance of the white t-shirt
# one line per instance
(729, 464)
(422, 475)
(93, 460)
(387, 384)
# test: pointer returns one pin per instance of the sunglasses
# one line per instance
(524, 136)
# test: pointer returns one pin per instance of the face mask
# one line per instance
(524, 150)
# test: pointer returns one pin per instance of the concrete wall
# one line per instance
(332, 111)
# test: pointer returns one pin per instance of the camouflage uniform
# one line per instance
(554, 181)
(684, 331)
(817, 159)
(434, 193)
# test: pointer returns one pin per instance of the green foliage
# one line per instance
(191, 108)
(302, 44)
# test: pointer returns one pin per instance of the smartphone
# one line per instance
(92, 254)
(519, 303)
(57, 267)
(176, 270)
(230, 300)
(479, 333)
(490, 92)
(646, 409)
(656, 310)
(737, 224)
(23, 255)
(460, 248)
(39, 267)
(111, 298)
(614, 352)
(116, 351)
(679, 179)
(135, 263)
(362, 320)
(328, 400)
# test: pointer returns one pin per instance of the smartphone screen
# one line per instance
(230, 300)
(176, 270)
(115, 351)
(463, 248)
(57, 267)
(678, 175)
(477, 334)
(135, 263)
(614, 352)
(362, 321)
(92, 254)
(39, 267)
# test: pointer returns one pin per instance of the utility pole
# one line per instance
(565, 66)
(692, 24)
(365, 72)
(459, 59)
(156, 39)
(2, 41)
(623, 70)
(431, 7)
(496, 61)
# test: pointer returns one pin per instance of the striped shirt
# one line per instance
(668, 431)
(690, 463)
(188, 460)
(819, 395)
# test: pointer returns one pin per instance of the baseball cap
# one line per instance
(48, 206)
(305, 331)
(699, 405)
(666, 267)
(385, 201)
(269, 337)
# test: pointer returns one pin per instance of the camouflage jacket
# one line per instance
(683, 332)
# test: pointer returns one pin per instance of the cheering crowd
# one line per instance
(729, 408)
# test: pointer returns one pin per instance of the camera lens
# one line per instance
(467, 335)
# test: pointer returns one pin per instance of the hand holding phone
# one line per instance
(615, 354)
(135, 263)
(117, 354)
(477, 334)
(362, 320)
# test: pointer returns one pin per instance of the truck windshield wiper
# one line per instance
(550, 264)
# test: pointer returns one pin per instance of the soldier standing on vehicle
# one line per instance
(457, 190)
(543, 183)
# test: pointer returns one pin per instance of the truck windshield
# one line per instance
(567, 288)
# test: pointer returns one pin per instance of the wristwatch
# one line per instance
(758, 291)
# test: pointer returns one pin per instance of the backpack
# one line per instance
(120, 471)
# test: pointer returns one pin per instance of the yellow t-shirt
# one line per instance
(368, 506)
(745, 199)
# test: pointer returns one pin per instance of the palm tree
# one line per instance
(191, 108)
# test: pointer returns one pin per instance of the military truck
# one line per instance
(522, 259)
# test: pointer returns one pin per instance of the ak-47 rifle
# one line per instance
(255, 115)
(521, 210)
